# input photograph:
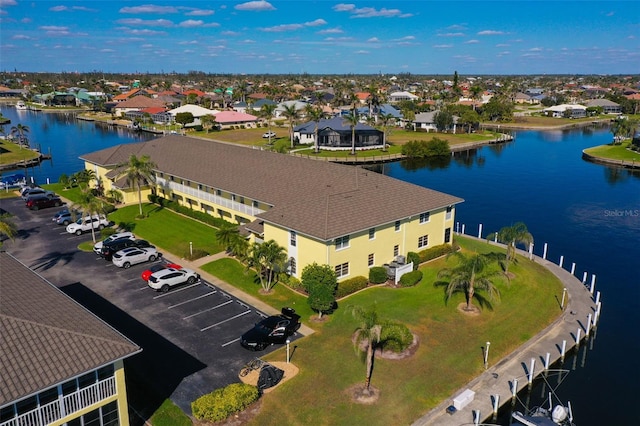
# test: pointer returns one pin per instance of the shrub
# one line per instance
(377, 275)
(414, 257)
(221, 403)
(351, 285)
(292, 282)
(410, 278)
(107, 231)
(395, 337)
(435, 251)
(423, 149)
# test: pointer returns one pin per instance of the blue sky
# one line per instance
(321, 37)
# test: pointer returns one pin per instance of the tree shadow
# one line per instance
(52, 259)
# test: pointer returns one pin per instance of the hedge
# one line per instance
(377, 275)
(410, 278)
(350, 286)
(395, 337)
(436, 251)
(222, 403)
(414, 257)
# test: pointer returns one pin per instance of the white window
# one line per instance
(372, 233)
(342, 242)
(448, 215)
(397, 225)
(292, 266)
(424, 217)
(293, 238)
(371, 260)
(342, 270)
(423, 241)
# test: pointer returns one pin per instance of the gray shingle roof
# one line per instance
(45, 336)
(316, 198)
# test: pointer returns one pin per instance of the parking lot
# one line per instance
(189, 335)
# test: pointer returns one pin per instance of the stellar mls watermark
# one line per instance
(622, 213)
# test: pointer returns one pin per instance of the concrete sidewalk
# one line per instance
(498, 378)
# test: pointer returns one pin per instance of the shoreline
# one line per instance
(632, 165)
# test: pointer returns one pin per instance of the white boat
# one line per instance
(540, 416)
(21, 105)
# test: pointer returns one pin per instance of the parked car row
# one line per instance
(37, 198)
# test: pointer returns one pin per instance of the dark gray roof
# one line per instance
(316, 198)
(335, 123)
(46, 337)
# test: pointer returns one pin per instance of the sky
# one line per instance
(321, 37)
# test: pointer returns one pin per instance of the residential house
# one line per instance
(396, 97)
(195, 110)
(335, 134)
(426, 121)
(608, 107)
(61, 364)
(228, 119)
(570, 110)
(137, 103)
(346, 217)
(298, 105)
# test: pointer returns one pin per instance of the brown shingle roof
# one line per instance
(45, 336)
(316, 198)
(140, 101)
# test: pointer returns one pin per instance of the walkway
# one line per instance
(497, 379)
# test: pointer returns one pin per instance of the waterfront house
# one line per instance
(61, 364)
(396, 97)
(137, 103)
(335, 134)
(608, 107)
(343, 216)
(566, 110)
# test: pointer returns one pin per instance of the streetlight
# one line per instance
(486, 355)
(288, 357)
(191, 248)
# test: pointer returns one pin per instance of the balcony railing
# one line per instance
(207, 196)
(65, 405)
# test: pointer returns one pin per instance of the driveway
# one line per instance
(190, 335)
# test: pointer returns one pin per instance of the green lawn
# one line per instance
(13, 153)
(168, 230)
(615, 152)
(448, 357)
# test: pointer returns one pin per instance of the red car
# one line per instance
(158, 267)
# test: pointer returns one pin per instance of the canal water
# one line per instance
(588, 213)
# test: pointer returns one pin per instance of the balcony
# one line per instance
(66, 405)
(208, 197)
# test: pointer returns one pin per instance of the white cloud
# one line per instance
(443, 46)
(374, 40)
(331, 31)
(472, 41)
(58, 8)
(149, 8)
(200, 12)
(255, 6)
(370, 12)
(146, 22)
(451, 35)
(490, 32)
(4, 3)
(362, 52)
(342, 7)
(316, 23)
(406, 38)
(191, 23)
(21, 37)
(53, 28)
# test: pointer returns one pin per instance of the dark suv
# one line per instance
(42, 202)
(112, 247)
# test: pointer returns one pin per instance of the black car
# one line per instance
(273, 329)
(109, 249)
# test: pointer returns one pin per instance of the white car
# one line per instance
(162, 280)
(97, 247)
(269, 135)
(85, 224)
(134, 255)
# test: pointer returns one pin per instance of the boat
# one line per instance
(540, 416)
(15, 180)
(21, 105)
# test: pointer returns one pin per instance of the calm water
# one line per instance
(65, 138)
(586, 212)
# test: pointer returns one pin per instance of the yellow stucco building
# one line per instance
(61, 365)
(346, 217)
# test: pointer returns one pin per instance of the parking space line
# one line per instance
(207, 310)
(231, 342)
(143, 288)
(191, 300)
(176, 291)
(227, 320)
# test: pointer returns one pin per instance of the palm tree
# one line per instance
(89, 205)
(20, 130)
(290, 113)
(388, 120)
(467, 277)
(208, 122)
(137, 171)
(7, 226)
(369, 332)
(511, 236)
(315, 114)
(268, 259)
(266, 112)
(352, 121)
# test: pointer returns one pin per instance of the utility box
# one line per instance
(462, 400)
